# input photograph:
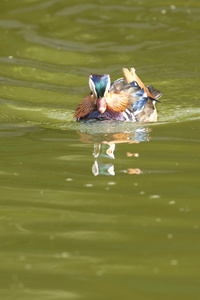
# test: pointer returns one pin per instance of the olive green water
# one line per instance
(99, 210)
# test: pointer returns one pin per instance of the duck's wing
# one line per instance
(130, 96)
(131, 76)
(148, 113)
(120, 95)
(118, 85)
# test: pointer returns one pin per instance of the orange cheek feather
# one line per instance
(101, 105)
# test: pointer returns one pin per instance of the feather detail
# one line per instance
(118, 101)
(128, 75)
(155, 93)
(149, 113)
(85, 107)
(132, 76)
(126, 99)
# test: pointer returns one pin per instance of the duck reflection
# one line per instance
(104, 148)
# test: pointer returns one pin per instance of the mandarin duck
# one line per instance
(126, 99)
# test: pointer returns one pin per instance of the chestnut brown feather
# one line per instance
(86, 106)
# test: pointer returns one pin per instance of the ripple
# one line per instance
(74, 10)
(16, 24)
(94, 235)
(36, 7)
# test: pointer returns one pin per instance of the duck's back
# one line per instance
(141, 107)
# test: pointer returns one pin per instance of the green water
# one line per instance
(99, 210)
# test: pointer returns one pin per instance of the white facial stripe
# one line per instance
(92, 87)
(107, 86)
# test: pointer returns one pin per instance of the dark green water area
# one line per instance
(99, 210)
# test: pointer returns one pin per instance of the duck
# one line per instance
(126, 99)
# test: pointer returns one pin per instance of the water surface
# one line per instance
(103, 210)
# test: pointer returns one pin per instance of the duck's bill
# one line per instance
(101, 104)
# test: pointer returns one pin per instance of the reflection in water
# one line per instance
(104, 150)
(104, 147)
(99, 168)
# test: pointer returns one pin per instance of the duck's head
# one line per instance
(99, 85)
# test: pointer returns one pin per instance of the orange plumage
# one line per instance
(126, 99)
